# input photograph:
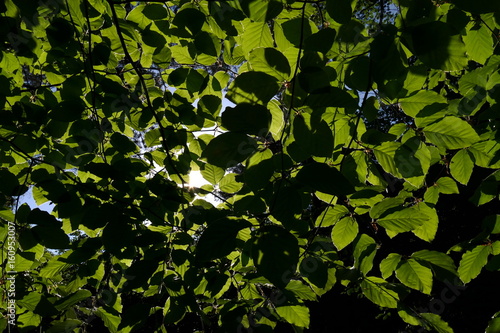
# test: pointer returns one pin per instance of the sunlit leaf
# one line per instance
(472, 262)
(451, 133)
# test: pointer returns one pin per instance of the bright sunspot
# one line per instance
(196, 179)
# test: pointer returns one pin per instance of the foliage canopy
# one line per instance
(352, 148)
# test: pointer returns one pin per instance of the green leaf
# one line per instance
(358, 75)
(122, 143)
(431, 195)
(321, 41)
(473, 261)
(9, 183)
(487, 190)
(208, 48)
(447, 185)
(434, 322)
(438, 46)
(29, 320)
(261, 10)
(389, 264)
(153, 137)
(423, 103)
(212, 173)
(316, 271)
(55, 266)
(257, 176)
(297, 315)
(414, 275)
(51, 237)
(270, 61)
(403, 220)
(485, 154)
(440, 263)
(323, 178)
(427, 231)
(275, 253)
(229, 184)
(38, 303)
(385, 155)
(461, 166)
(247, 118)
(494, 325)
(218, 239)
(408, 316)
(335, 97)
(451, 133)
(478, 42)
(277, 116)
(344, 232)
(229, 149)
(189, 21)
(297, 30)
(491, 224)
(339, 10)
(386, 205)
(256, 34)
(365, 248)
(331, 216)
(310, 139)
(253, 88)
(377, 291)
(174, 310)
(72, 299)
(413, 160)
(111, 320)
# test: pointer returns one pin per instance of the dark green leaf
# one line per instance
(335, 97)
(261, 10)
(122, 143)
(219, 239)
(9, 183)
(321, 41)
(276, 254)
(314, 80)
(323, 178)
(339, 10)
(247, 118)
(439, 46)
(253, 88)
(478, 7)
(229, 149)
(270, 61)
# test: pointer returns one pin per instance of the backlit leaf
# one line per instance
(295, 314)
(451, 133)
(472, 262)
(344, 232)
(377, 291)
(461, 166)
(415, 276)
